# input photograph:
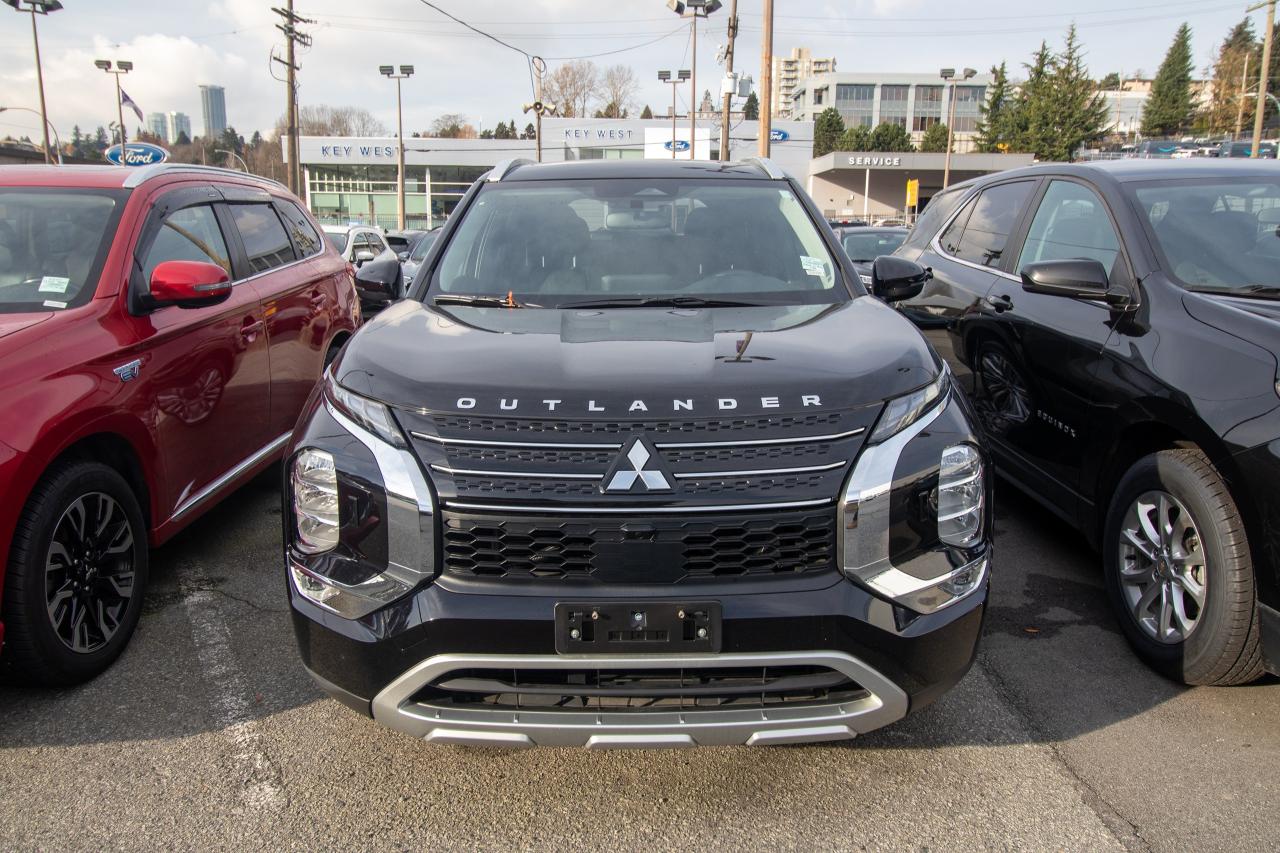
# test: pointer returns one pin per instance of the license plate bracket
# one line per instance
(637, 627)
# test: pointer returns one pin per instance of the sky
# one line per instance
(176, 45)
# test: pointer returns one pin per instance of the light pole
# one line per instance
(231, 154)
(665, 77)
(122, 67)
(1263, 73)
(48, 126)
(39, 7)
(693, 9)
(406, 71)
(949, 74)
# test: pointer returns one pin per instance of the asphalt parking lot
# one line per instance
(208, 734)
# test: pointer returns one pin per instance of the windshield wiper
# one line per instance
(481, 301)
(1260, 291)
(660, 302)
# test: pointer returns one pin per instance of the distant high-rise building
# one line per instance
(788, 71)
(213, 100)
(157, 126)
(178, 124)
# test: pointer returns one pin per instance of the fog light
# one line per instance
(315, 501)
(961, 495)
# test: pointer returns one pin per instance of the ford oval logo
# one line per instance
(776, 135)
(137, 154)
(680, 145)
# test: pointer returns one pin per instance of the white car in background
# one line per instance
(358, 244)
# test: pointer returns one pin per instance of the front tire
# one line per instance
(76, 574)
(1179, 573)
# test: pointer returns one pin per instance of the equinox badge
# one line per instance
(630, 468)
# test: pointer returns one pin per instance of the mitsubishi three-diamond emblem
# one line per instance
(637, 465)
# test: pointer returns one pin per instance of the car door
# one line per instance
(964, 254)
(206, 371)
(1036, 389)
(294, 298)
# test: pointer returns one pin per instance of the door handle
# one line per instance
(1001, 303)
(250, 327)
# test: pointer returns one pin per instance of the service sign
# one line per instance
(136, 154)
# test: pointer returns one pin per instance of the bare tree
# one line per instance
(451, 126)
(573, 86)
(324, 120)
(620, 90)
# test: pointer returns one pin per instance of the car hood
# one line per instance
(636, 362)
(1256, 321)
(10, 323)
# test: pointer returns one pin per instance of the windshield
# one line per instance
(1216, 234)
(867, 246)
(52, 245)
(338, 241)
(420, 250)
(552, 243)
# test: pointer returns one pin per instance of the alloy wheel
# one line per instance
(1007, 392)
(1163, 575)
(89, 572)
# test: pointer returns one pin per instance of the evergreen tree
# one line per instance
(1029, 125)
(182, 139)
(826, 131)
(890, 137)
(1169, 107)
(530, 132)
(751, 110)
(1110, 83)
(487, 134)
(1228, 68)
(935, 139)
(255, 140)
(997, 113)
(1079, 114)
(647, 113)
(100, 141)
(856, 138)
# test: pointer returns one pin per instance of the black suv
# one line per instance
(1115, 325)
(639, 462)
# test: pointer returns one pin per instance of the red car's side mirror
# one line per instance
(189, 284)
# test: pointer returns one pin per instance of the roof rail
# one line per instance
(145, 173)
(767, 166)
(505, 167)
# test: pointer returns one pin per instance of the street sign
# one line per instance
(136, 154)
(913, 192)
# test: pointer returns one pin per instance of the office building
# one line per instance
(915, 102)
(213, 101)
(179, 124)
(788, 71)
(157, 126)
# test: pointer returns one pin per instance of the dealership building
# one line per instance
(353, 180)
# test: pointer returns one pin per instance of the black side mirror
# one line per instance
(1075, 278)
(378, 284)
(894, 279)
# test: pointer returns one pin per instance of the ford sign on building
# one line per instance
(136, 154)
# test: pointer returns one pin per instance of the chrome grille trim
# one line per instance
(804, 439)
(713, 475)
(527, 475)
(634, 509)
(537, 445)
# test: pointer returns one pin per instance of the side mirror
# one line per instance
(1076, 278)
(364, 257)
(378, 284)
(403, 256)
(894, 279)
(188, 284)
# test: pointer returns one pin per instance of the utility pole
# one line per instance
(293, 36)
(1262, 74)
(1244, 84)
(766, 82)
(728, 70)
(539, 107)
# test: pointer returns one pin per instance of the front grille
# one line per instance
(640, 549)
(640, 690)
(448, 424)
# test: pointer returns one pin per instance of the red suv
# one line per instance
(160, 329)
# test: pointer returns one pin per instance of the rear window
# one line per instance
(265, 240)
(338, 241)
(300, 229)
(867, 246)
(935, 213)
(979, 233)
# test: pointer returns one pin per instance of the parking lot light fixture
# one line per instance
(949, 74)
(122, 66)
(39, 7)
(665, 77)
(693, 9)
(406, 71)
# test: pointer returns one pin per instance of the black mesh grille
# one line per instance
(472, 426)
(639, 550)
(459, 454)
(794, 453)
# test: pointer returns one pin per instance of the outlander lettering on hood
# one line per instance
(675, 404)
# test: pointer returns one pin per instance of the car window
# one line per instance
(300, 229)
(869, 245)
(1070, 223)
(424, 245)
(338, 241)
(189, 234)
(376, 245)
(265, 240)
(987, 221)
(935, 213)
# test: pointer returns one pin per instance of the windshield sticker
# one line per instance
(50, 303)
(54, 284)
(813, 266)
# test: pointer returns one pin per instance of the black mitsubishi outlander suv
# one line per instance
(638, 462)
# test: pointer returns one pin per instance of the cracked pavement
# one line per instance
(207, 734)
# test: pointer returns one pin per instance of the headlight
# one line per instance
(960, 495)
(370, 414)
(901, 412)
(315, 501)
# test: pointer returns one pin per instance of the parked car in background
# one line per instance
(402, 242)
(845, 222)
(160, 330)
(864, 245)
(358, 244)
(1117, 327)
(409, 263)
(1266, 150)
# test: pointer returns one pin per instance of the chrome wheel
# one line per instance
(89, 572)
(1008, 395)
(1163, 576)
